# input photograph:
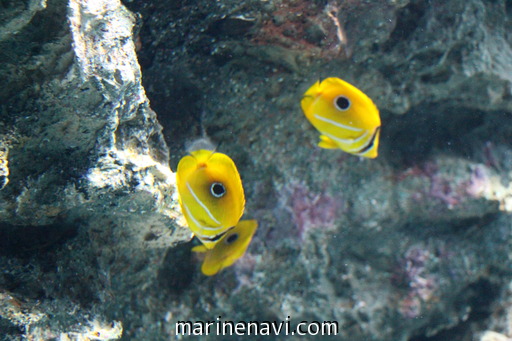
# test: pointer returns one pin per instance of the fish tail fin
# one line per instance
(327, 143)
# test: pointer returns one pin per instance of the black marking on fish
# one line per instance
(218, 236)
(370, 143)
(231, 239)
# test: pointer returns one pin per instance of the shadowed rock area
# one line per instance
(414, 245)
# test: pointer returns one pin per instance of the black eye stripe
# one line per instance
(232, 238)
(342, 103)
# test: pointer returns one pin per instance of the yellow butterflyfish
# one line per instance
(229, 249)
(211, 195)
(345, 117)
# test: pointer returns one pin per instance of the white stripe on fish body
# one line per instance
(349, 142)
(202, 205)
(197, 223)
(337, 124)
(363, 136)
(366, 138)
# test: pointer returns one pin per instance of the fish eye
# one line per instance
(218, 190)
(232, 238)
(342, 103)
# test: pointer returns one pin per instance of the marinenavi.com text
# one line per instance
(242, 328)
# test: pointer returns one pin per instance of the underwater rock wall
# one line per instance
(414, 245)
(87, 192)
(405, 247)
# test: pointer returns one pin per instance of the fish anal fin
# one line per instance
(327, 143)
(211, 269)
(199, 248)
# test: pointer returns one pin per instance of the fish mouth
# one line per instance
(308, 97)
(370, 143)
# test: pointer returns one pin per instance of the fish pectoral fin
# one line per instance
(199, 248)
(327, 143)
(211, 269)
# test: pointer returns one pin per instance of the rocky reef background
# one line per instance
(100, 97)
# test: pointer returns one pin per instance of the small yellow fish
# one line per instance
(211, 195)
(229, 249)
(346, 118)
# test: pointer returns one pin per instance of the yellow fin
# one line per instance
(199, 248)
(327, 143)
(229, 249)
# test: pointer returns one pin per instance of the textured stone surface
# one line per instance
(400, 248)
(414, 245)
(87, 191)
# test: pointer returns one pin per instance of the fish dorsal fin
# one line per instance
(199, 144)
